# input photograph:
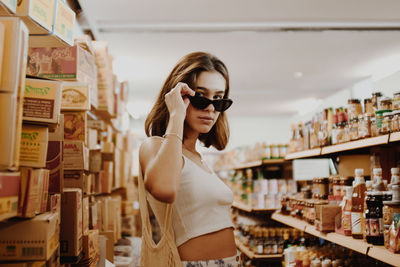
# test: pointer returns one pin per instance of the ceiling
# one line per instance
(283, 56)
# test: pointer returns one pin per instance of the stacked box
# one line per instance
(39, 237)
(54, 161)
(85, 215)
(78, 179)
(76, 156)
(76, 96)
(8, 7)
(34, 143)
(71, 223)
(9, 191)
(37, 14)
(75, 126)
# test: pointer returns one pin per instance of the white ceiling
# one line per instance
(263, 44)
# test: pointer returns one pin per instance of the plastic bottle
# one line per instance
(395, 179)
(357, 204)
(346, 214)
(378, 184)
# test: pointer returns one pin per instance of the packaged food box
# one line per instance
(77, 179)
(107, 177)
(71, 223)
(33, 193)
(54, 204)
(54, 161)
(96, 124)
(95, 161)
(33, 149)
(62, 31)
(91, 245)
(39, 236)
(75, 126)
(43, 190)
(76, 96)
(8, 7)
(85, 215)
(42, 100)
(38, 15)
(12, 77)
(63, 63)
(9, 190)
(76, 156)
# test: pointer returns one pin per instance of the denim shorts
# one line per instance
(233, 261)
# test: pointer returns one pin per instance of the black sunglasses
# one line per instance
(201, 102)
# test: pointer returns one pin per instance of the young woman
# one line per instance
(191, 107)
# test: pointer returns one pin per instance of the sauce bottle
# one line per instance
(346, 214)
(378, 184)
(357, 205)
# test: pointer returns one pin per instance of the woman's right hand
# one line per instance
(177, 100)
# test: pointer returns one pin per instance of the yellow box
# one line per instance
(76, 156)
(65, 23)
(37, 14)
(75, 96)
(42, 101)
(33, 150)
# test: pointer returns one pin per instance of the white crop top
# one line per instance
(201, 206)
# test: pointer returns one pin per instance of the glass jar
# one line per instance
(395, 125)
(379, 118)
(376, 99)
(368, 107)
(386, 123)
(353, 134)
(396, 101)
(364, 126)
(354, 108)
(374, 128)
(336, 187)
(385, 103)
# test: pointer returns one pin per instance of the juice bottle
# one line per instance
(346, 214)
(357, 205)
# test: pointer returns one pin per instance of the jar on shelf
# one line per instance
(374, 128)
(385, 103)
(275, 151)
(354, 108)
(396, 101)
(353, 134)
(379, 115)
(386, 123)
(364, 126)
(368, 107)
(395, 125)
(376, 99)
(336, 187)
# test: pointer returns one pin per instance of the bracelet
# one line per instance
(172, 134)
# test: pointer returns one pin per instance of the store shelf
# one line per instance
(368, 142)
(251, 254)
(304, 154)
(288, 220)
(253, 164)
(273, 161)
(382, 254)
(394, 137)
(248, 208)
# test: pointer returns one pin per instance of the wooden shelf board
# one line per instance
(253, 164)
(288, 220)
(382, 254)
(273, 161)
(248, 165)
(304, 154)
(368, 142)
(251, 254)
(247, 208)
(394, 137)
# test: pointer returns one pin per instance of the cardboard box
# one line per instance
(97, 124)
(348, 163)
(8, 133)
(38, 236)
(44, 175)
(34, 142)
(93, 215)
(42, 101)
(9, 191)
(107, 177)
(95, 161)
(92, 139)
(63, 63)
(54, 204)
(107, 147)
(8, 7)
(91, 245)
(12, 77)
(29, 193)
(85, 215)
(54, 161)
(117, 169)
(76, 96)
(65, 22)
(75, 126)
(76, 156)
(38, 15)
(77, 179)
(325, 217)
(71, 223)
(109, 244)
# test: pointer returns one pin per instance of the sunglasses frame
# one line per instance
(207, 102)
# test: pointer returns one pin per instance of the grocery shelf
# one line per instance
(304, 154)
(288, 220)
(273, 161)
(377, 252)
(382, 254)
(368, 142)
(394, 137)
(251, 254)
(253, 164)
(248, 208)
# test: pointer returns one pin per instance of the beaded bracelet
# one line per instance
(173, 134)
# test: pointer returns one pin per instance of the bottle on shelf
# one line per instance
(378, 184)
(395, 177)
(374, 218)
(346, 213)
(357, 204)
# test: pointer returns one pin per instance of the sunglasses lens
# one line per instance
(199, 102)
(222, 105)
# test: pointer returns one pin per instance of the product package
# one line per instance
(71, 223)
(39, 236)
(85, 215)
(92, 139)
(54, 161)
(9, 190)
(76, 156)
(95, 161)
(38, 15)
(34, 142)
(107, 177)
(8, 135)
(76, 96)
(42, 101)
(91, 246)
(62, 33)
(8, 7)
(78, 179)
(75, 126)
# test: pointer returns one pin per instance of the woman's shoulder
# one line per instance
(151, 144)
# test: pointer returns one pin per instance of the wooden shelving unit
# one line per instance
(304, 154)
(368, 142)
(251, 254)
(377, 252)
(248, 208)
(394, 137)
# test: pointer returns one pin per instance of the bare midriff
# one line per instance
(215, 245)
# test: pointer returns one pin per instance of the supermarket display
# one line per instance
(67, 189)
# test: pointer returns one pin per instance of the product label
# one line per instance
(356, 223)
(367, 227)
(376, 227)
(38, 108)
(346, 221)
(42, 11)
(65, 20)
(260, 249)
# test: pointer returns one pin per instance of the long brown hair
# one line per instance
(187, 70)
